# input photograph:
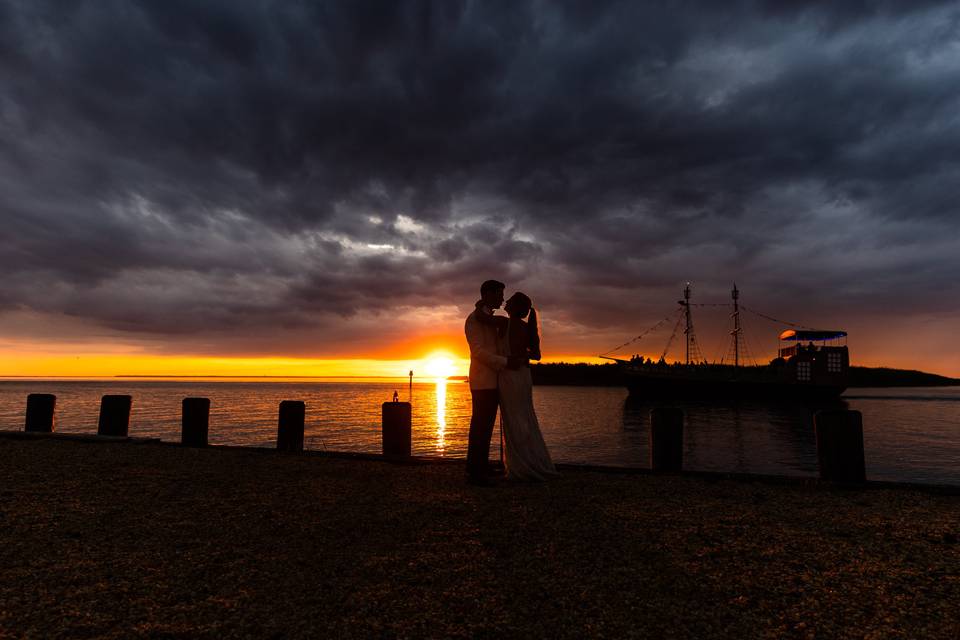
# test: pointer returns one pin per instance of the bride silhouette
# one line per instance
(525, 453)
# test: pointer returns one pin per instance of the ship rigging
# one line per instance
(798, 369)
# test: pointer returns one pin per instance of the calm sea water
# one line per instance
(909, 434)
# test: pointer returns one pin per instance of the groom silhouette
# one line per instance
(486, 359)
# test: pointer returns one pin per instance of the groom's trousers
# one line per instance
(485, 404)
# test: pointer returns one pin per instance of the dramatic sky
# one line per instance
(332, 180)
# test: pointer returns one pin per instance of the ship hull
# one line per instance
(693, 384)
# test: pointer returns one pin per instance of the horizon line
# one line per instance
(169, 375)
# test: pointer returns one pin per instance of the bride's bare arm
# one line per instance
(498, 322)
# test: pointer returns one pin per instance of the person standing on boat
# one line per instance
(486, 360)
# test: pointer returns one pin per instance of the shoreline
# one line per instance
(141, 538)
(413, 460)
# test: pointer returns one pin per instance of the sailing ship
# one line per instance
(810, 364)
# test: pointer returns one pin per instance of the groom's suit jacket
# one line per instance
(486, 358)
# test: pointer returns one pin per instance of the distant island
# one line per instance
(885, 377)
(609, 375)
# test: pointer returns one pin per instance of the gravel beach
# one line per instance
(121, 540)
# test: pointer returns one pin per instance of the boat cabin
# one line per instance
(815, 356)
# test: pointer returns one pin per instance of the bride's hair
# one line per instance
(518, 306)
(533, 327)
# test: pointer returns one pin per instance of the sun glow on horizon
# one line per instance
(20, 362)
(108, 361)
(440, 365)
(431, 358)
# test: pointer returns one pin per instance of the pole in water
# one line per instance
(839, 434)
(410, 394)
(114, 415)
(41, 412)
(501, 441)
(290, 425)
(666, 439)
(396, 429)
(195, 422)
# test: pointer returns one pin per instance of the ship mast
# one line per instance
(693, 355)
(689, 326)
(736, 325)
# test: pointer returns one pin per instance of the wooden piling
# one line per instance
(195, 422)
(840, 445)
(290, 427)
(114, 415)
(41, 413)
(666, 439)
(396, 429)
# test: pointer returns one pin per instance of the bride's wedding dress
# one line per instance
(525, 453)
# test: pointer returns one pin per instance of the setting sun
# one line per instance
(439, 365)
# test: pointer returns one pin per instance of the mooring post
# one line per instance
(41, 413)
(195, 422)
(290, 427)
(840, 445)
(396, 429)
(114, 416)
(666, 439)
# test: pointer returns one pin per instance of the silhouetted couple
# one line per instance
(501, 349)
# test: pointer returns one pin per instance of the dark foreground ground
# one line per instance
(147, 540)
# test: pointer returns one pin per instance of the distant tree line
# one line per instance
(610, 375)
(884, 377)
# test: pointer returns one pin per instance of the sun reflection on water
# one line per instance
(441, 414)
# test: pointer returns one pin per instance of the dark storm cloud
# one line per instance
(214, 168)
